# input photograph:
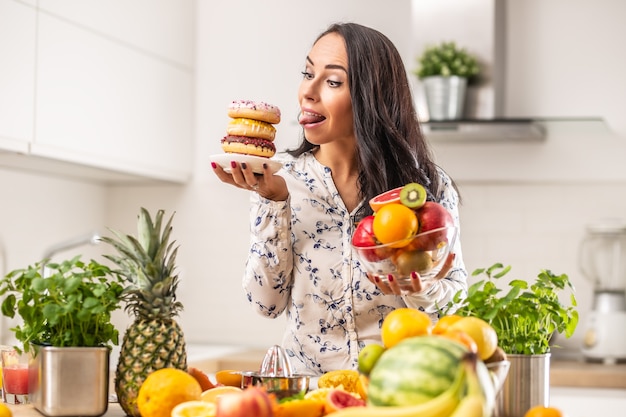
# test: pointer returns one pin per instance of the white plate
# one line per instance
(254, 162)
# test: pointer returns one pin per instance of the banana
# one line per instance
(441, 406)
(478, 401)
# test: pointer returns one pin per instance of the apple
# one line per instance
(364, 238)
(252, 401)
(432, 216)
(364, 233)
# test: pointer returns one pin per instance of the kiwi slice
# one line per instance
(413, 195)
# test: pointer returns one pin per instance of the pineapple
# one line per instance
(154, 340)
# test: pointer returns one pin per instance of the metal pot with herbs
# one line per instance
(527, 315)
(64, 304)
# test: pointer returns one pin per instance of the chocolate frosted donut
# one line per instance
(248, 146)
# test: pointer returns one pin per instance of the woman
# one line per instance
(361, 138)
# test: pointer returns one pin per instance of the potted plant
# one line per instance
(525, 319)
(66, 327)
(445, 70)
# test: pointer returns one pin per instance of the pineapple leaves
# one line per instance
(148, 262)
(63, 304)
(527, 315)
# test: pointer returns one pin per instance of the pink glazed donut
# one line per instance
(256, 110)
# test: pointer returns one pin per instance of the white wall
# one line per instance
(529, 224)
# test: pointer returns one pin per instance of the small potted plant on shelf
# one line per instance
(525, 319)
(445, 71)
(66, 327)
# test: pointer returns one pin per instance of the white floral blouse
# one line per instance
(301, 262)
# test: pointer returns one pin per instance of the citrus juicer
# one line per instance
(603, 261)
(276, 376)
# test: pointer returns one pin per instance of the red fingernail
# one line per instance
(213, 165)
(376, 279)
(390, 278)
(233, 164)
(264, 165)
(414, 275)
(243, 165)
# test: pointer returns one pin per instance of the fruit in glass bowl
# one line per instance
(424, 253)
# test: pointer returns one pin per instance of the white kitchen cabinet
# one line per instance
(585, 402)
(17, 75)
(103, 107)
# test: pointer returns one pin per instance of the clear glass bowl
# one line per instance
(498, 372)
(424, 253)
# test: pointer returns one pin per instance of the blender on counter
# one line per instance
(603, 262)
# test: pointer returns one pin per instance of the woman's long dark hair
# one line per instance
(391, 149)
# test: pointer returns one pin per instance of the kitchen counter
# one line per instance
(563, 372)
(27, 410)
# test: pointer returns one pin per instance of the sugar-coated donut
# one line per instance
(251, 128)
(248, 146)
(256, 110)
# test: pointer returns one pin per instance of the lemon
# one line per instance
(483, 334)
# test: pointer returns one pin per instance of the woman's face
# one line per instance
(324, 94)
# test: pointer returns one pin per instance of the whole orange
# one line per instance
(461, 337)
(483, 334)
(164, 389)
(542, 411)
(394, 223)
(402, 323)
(444, 322)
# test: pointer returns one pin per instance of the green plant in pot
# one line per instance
(445, 70)
(525, 318)
(65, 310)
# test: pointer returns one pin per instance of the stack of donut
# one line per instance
(251, 130)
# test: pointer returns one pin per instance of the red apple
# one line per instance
(432, 216)
(252, 401)
(364, 233)
(363, 238)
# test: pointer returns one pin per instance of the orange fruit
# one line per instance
(461, 337)
(394, 223)
(210, 395)
(444, 322)
(483, 334)
(4, 410)
(402, 323)
(194, 409)
(542, 411)
(229, 377)
(300, 408)
(164, 389)
(201, 377)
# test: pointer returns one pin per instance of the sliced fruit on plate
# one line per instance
(194, 409)
(212, 394)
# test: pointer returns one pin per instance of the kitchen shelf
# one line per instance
(510, 129)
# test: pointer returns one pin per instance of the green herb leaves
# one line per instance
(70, 305)
(526, 316)
(446, 59)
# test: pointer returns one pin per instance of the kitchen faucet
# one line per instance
(92, 238)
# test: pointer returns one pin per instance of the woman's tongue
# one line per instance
(308, 118)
